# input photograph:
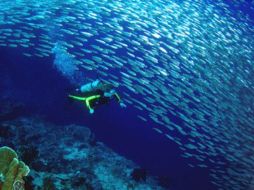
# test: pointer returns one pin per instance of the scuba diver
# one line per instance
(96, 93)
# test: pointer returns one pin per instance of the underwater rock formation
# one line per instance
(9, 110)
(139, 174)
(64, 157)
(12, 170)
(48, 184)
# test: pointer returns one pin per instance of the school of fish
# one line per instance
(191, 60)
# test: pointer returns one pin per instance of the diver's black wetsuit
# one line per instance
(100, 101)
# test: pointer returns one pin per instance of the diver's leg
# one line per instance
(77, 97)
(88, 102)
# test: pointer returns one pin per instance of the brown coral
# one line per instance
(12, 170)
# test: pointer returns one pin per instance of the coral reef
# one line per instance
(139, 174)
(48, 184)
(9, 110)
(12, 170)
(68, 157)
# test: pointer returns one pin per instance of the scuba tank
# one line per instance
(90, 86)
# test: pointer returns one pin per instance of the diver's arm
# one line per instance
(117, 97)
(119, 100)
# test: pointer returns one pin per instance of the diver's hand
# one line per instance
(91, 111)
(122, 105)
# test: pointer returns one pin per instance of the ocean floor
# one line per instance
(67, 157)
